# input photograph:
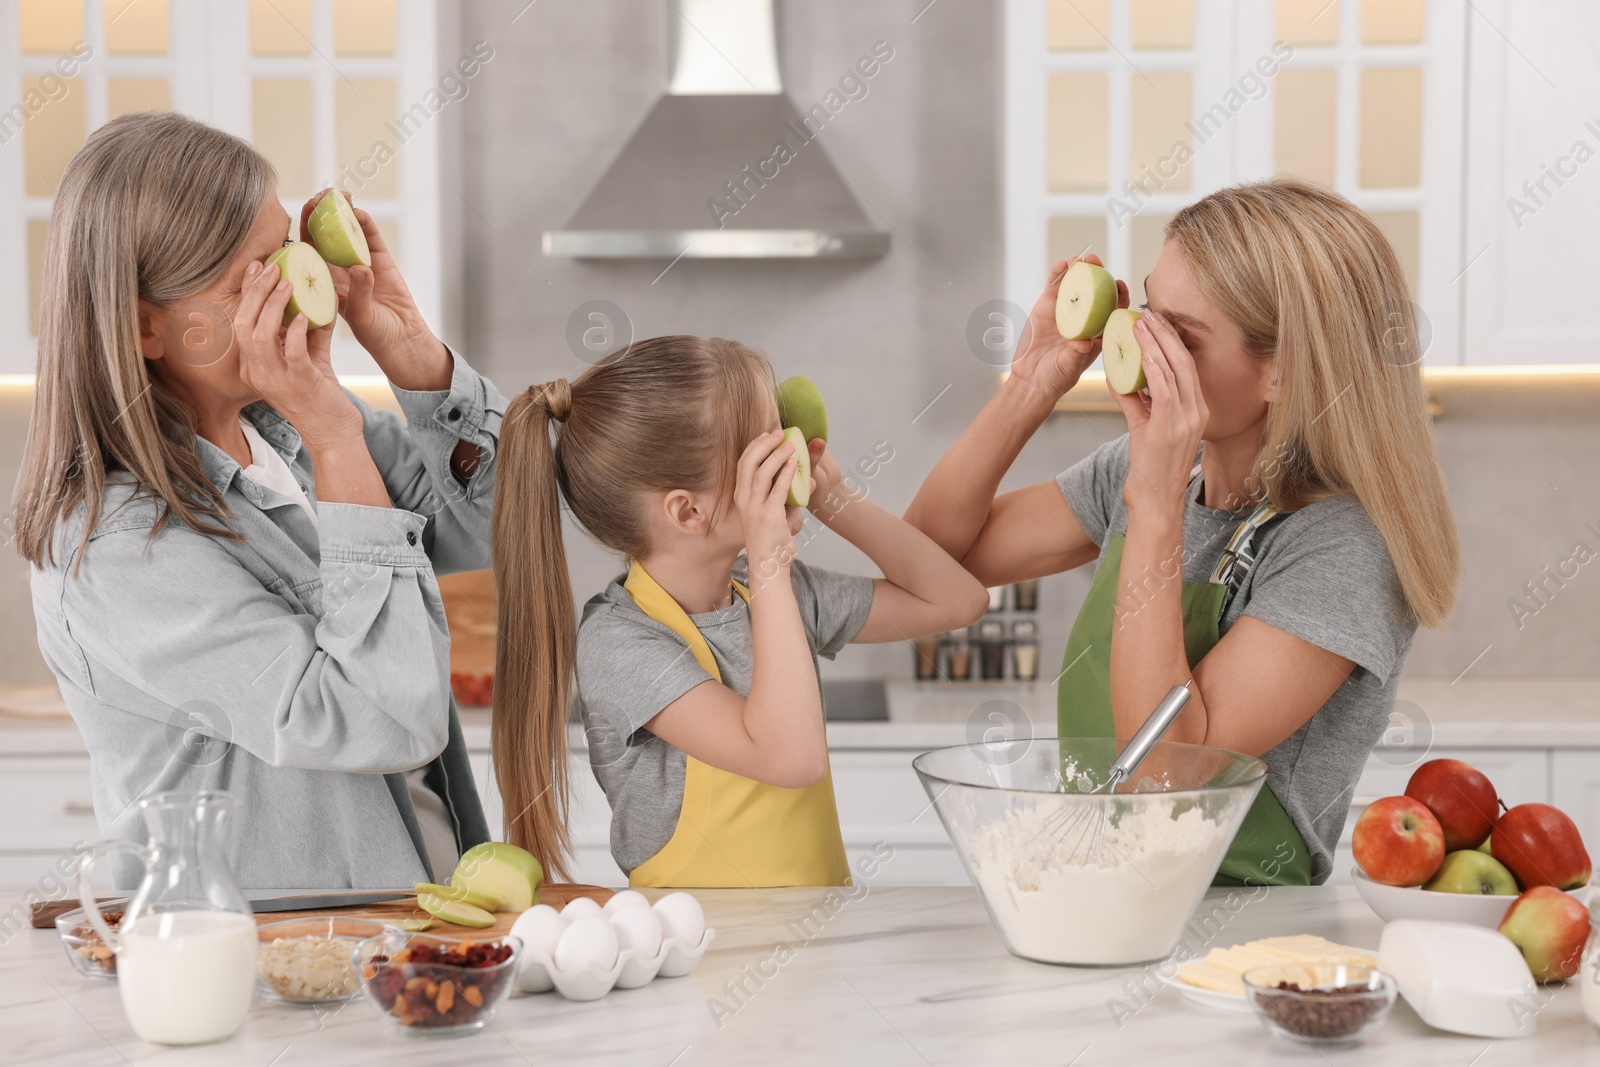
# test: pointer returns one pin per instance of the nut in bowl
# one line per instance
(90, 956)
(1325, 1005)
(436, 986)
(311, 960)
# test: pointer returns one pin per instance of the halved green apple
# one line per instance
(337, 232)
(313, 295)
(800, 487)
(800, 404)
(1119, 351)
(461, 893)
(1085, 300)
(504, 873)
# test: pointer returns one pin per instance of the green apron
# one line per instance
(1268, 849)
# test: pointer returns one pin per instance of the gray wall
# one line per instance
(568, 84)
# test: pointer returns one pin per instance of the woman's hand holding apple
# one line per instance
(291, 367)
(1045, 361)
(1165, 423)
(378, 305)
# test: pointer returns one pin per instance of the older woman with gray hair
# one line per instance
(234, 557)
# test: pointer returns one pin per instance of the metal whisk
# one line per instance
(1086, 823)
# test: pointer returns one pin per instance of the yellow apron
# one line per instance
(734, 832)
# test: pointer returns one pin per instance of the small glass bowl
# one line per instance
(1333, 1005)
(90, 956)
(295, 963)
(435, 999)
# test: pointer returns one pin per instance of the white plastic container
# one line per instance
(1457, 977)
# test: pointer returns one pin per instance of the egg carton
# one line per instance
(538, 973)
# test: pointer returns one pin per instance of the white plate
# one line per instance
(1392, 902)
(1233, 1002)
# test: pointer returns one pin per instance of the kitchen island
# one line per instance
(876, 974)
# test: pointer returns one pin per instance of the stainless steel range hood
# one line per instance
(724, 166)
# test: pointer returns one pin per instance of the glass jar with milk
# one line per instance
(186, 946)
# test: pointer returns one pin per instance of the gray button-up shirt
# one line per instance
(302, 669)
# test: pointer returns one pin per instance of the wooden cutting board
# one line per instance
(392, 911)
(43, 913)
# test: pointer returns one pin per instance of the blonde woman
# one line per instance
(1285, 414)
(233, 558)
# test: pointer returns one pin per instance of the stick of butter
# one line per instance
(1220, 971)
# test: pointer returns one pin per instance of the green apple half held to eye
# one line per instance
(312, 295)
(800, 488)
(1119, 352)
(1086, 298)
(800, 404)
(337, 232)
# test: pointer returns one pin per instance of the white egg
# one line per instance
(587, 944)
(637, 928)
(578, 907)
(626, 898)
(539, 928)
(681, 916)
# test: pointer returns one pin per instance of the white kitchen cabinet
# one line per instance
(1575, 789)
(1532, 173)
(48, 812)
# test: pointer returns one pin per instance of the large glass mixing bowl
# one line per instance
(1075, 878)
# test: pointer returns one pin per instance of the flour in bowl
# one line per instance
(1056, 897)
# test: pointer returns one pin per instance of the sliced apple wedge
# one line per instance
(1086, 298)
(800, 488)
(337, 232)
(313, 295)
(1119, 351)
(455, 911)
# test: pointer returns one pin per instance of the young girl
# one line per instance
(697, 671)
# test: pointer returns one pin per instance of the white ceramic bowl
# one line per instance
(1392, 902)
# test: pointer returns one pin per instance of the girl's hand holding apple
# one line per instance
(765, 472)
(382, 314)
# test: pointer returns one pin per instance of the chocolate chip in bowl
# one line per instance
(437, 986)
(89, 955)
(1324, 1005)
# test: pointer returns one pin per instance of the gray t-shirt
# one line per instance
(1322, 574)
(630, 667)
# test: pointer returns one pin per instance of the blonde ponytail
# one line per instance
(538, 636)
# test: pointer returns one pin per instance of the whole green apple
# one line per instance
(1470, 871)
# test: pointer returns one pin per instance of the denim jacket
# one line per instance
(303, 669)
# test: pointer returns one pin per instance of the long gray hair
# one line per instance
(154, 207)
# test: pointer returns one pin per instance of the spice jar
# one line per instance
(991, 649)
(958, 660)
(927, 651)
(997, 598)
(1025, 595)
(1025, 650)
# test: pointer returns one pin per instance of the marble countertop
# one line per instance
(1470, 713)
(884, 976)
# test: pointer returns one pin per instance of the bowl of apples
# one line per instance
(1449, 849)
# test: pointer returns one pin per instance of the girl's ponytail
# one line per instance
(538, 635)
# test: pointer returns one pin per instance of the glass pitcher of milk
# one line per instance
(186, 946)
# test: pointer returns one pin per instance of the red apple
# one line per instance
(1551, 929)
(1397, 841)
(1460, 797)
(1541, 846)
